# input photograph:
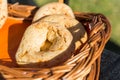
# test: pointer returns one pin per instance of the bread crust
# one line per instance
(45, 44)
(53, 8)
(52, 38)
(3, 12)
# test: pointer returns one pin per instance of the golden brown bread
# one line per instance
(44, 44)
(53, 8)
(3, 12)
(52, 38)
(74, 26)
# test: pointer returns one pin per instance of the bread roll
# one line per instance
(3, 12)
(74, 26)
(45, 44)
(53, 8)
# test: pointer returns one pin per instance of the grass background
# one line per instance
(110, 8)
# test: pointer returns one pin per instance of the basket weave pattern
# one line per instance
(85, 63)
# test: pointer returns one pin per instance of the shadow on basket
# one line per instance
(1, 77)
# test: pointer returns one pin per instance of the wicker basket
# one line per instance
(85, 63)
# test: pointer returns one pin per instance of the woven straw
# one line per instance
(85, 63)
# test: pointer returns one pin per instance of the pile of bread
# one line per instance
(52, 38)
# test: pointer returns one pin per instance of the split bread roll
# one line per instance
(53, 8)
(45, 44)
(74, 26)
(52, 38)
(3, 12)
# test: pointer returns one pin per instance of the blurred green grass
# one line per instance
(110, 8)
